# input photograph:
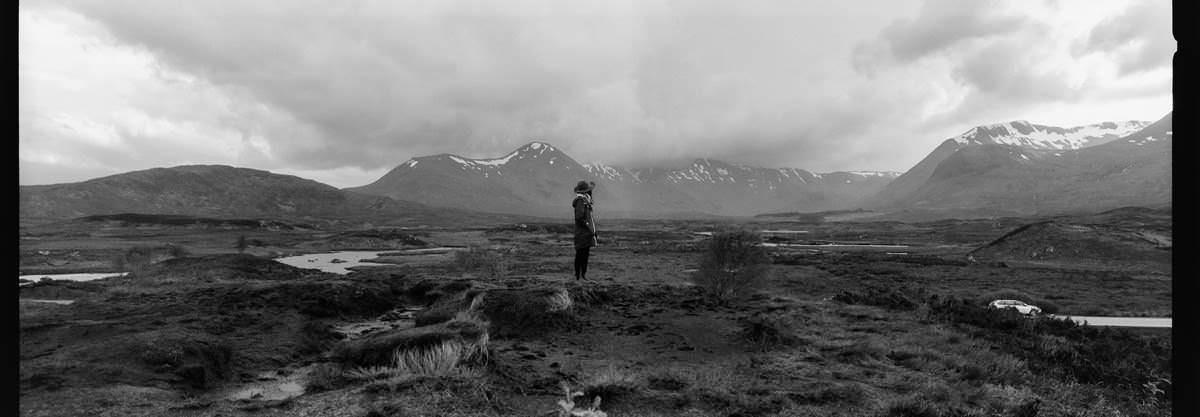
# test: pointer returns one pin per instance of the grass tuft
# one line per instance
(443, 360)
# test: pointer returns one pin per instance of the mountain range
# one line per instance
(1015, 167)
(538, 178)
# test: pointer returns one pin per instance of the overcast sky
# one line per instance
(343, 91)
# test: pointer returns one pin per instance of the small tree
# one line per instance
(241, 244)
(734, 264)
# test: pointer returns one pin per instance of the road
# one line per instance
(1120, 321)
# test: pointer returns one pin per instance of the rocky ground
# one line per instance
(830, 332)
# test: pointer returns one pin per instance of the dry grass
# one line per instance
(444, 360)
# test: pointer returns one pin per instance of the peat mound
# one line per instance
(377, 349)
(194, 336)
(1077, 244)
(218, 268)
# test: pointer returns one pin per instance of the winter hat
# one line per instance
(584, 186)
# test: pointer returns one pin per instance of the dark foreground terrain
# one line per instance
(199, 329)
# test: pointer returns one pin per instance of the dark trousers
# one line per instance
(581, 259)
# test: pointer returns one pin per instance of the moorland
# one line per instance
(850, 318)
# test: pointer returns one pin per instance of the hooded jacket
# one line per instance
(585, 231)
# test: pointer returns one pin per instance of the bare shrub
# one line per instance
(733, 266)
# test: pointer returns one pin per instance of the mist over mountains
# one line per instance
(538, 178)
(1016, 167)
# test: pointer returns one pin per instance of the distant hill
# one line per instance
(537, 178)
(215, 191)
(1013, 175)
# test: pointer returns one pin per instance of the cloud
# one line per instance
(1007, 70)
(1014, 63)
(344, 91)
(939, 25)
(1139, 38)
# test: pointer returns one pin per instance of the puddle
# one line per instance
(60, 302)
(399, 318)
(760, 231)
(271, 386)
(834, 245)
(335, 262)
(69, 277)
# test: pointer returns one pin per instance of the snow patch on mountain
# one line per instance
(1032, 136)
(497, 161)
(881, 174)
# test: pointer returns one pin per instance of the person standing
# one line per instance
(585, 228)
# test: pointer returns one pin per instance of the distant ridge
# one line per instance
(217, 191)
(538, 177)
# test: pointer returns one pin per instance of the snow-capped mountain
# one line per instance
(1098, 174)
(537, 178)
(1041, 137)
(1020, 134)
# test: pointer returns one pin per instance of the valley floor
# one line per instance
(839, 331)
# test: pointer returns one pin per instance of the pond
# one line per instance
(335, 262)
(69, 277)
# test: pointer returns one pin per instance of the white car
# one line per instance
(1018, 305)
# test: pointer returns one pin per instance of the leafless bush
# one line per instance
(734, 264)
